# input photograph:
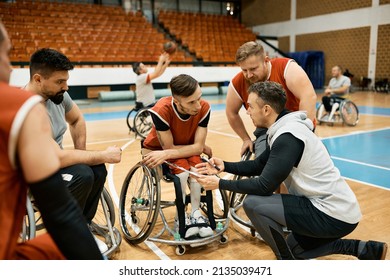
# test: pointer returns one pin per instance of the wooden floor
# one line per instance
(374, 202)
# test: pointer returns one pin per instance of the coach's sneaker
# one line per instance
(102, 246)
(373, 250)
(204, 230)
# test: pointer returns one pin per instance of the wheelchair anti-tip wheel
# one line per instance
(139, 203)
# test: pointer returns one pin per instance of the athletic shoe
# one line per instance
(204, 231)
(374, 250)
(192, 231)
(102, 246)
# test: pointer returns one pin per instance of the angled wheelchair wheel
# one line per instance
(236, 200)
(100, 216)
(129, 120)
(220, 204)
(28, 228)
(139, 203)
(142, 123)
(103, 224)
(349, 113)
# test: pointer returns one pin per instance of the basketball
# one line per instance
(169, 47)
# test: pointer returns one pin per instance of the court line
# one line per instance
(360, 163)
(114, 194)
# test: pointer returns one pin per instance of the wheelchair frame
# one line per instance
(102, 224)
(237, 199)
(347, 113)
(140, 205)
(141, 123)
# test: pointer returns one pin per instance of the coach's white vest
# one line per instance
(316, 177)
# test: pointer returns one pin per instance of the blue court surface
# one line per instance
(362, 156)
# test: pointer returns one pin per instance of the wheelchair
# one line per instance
(102, 224)
(347, 113)
(140, 205)
(236, 201)
(141, 123)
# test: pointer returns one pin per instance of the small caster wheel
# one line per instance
(180, 250)
(135, 220)
(224, 239)
(253, 232)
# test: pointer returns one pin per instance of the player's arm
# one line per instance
(162, 64)
(111, 154)
(61, 214)
(300, 85)
(233, 106)
(77, 127)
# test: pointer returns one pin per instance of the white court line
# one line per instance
(355, 133)
(361, 163)
(115, 197)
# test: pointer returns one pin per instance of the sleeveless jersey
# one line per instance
(183, 130)
(278, 70)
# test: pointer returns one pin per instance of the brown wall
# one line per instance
(383, 52)
(347, 48)
(310, 8)
(256, 12)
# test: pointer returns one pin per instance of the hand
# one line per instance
(328, 91)
(154, 158)
(207, 151)
(247, 144)
(209, 183)
(207, 169)
(113, 154)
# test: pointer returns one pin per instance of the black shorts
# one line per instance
(310, 226)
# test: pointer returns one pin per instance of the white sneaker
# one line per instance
(102, 246)
(199, 219)
(192, 231)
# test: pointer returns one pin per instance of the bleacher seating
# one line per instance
(210, 37)
(84, 32)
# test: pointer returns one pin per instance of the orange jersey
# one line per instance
(183, 130)
(15, 104)
(278, 69)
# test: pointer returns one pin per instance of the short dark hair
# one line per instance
(183, 85)
(46, 61)
(271, 93)
(136, 67)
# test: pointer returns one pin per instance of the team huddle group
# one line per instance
(291, 182)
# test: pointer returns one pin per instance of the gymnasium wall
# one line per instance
(352, 34)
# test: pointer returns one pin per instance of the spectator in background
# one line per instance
(334, 93)
(143, 84)
(30, 163)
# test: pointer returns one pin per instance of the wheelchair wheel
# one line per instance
(28, 229)
(349, 113)
(139, 203)
(129, 120)
(100, 216)
(220, 204)
(142, 123)
(237, 199)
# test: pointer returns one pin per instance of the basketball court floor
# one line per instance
(361, 153)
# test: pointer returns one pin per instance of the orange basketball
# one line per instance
(169, 47)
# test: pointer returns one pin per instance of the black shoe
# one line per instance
(374, 250)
